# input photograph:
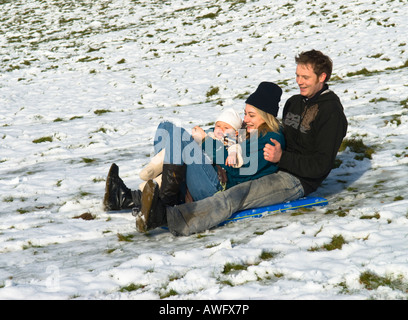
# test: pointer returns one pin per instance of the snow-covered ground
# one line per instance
(85, 83)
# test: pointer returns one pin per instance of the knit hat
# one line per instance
(266, 98)
(231, 117)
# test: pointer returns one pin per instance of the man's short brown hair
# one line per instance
(319, 62)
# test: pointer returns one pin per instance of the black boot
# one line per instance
(153, 209)
(117, 195)
(173, 179)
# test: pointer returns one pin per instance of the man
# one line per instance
(314, 125)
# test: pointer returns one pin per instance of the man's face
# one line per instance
(309, 83)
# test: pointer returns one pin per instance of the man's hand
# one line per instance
(273, 152)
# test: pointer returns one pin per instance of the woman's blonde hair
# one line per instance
(271, 123)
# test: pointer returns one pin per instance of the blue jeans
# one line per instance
(201, 176)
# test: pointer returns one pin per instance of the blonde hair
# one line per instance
(271, 123)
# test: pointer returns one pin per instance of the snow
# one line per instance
(95, 78)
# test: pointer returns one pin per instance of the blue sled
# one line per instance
(276, 208)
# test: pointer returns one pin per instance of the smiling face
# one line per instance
(309, 83)
(222, 128)
(252, 118)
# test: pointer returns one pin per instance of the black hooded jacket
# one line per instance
(314, 129)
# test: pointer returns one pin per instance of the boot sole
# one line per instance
(149, 196)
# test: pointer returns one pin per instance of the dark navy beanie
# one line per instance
(266, 98)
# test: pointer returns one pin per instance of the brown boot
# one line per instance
(153, 210)
(155, 199)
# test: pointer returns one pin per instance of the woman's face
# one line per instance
(252, 118)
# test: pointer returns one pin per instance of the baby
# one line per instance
(226, 131)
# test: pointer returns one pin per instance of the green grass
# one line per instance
(131, 287)
(372, 281)
(357, 146)
(168, 294)
(126, 238)
(336, 243)
(230, 267)
(101, 111)
(373, 216)
(43, 139)
(212, 91)
(88, 160)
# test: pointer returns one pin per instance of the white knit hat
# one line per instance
(231, 117)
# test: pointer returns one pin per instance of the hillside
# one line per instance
(85, 83)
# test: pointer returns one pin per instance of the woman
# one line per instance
(261, 126)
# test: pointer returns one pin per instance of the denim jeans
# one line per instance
(199, 216)
(201, 177)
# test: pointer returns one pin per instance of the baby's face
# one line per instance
(222, 129)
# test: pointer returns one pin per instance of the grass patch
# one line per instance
(43, 139)
(190, 43)
(126, 238)
(357, 146)
(231, 270)
(365, 72)
(340, 212)
(394, 119)
(404, 103)
(22, 210)
(8, 199)
(267, 255)
(75, 117)
(131, 287)
(29, 245)
(212, 92)
(88, 160)
(88, 59)
(168, 294)
(336, 243)
(101, 111)
(230, 267)
(373, 216)
(372, 281)
(302, 211)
